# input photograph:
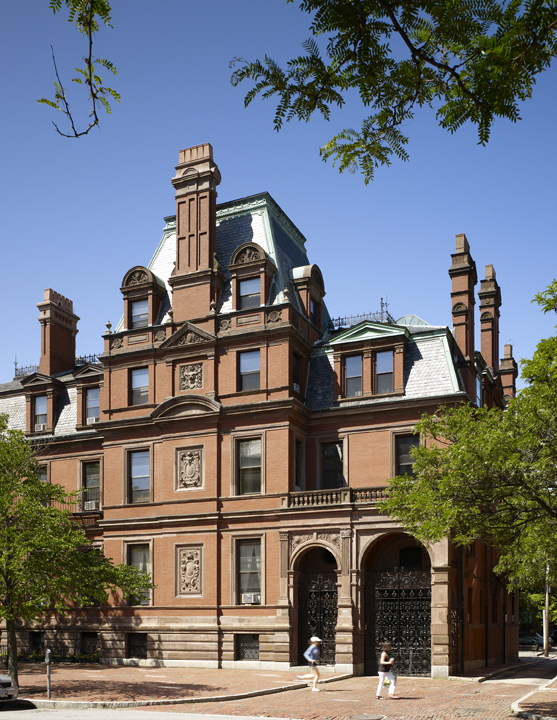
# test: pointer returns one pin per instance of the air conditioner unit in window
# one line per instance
(250, 599)
(92, 420)
(358, 393)
(91, 505)
(296, 387)
(39, 427)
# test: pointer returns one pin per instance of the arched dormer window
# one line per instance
(251, 273)
(143, 292)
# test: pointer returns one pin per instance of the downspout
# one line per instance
(462, 616)
(486, 611)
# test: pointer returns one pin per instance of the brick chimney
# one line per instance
(508, 372)
(464, 278)
(58, 331)
(490, 302)
(197, 278)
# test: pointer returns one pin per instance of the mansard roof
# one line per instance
(257, 219)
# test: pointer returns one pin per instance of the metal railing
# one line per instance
(339, 496)
(383, 316)
(59, 654)
(24, 371)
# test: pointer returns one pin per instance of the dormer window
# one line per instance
(250, 293)
(313, 311)
(384, 372)
(353, 376)
(40, 412)
(140, 313)
(92, 409)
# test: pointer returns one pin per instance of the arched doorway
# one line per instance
(317, 603)
(398, 605)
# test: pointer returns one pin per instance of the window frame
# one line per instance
(342, 441)
(345, 359)
(35, 414)
(241, 376)
(127, 473)
(126, 547)
(239, 468)
(299, 456)
(98, 405)
(131, 371)
(81, 479)
(144, 321)
(243, 299)
(234, 566)
(395, 435)
(235, 439)
(377, 374)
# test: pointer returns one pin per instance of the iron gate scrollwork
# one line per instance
(398, 609)
(318, 600)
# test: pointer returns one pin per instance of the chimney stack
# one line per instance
(58, 331)
(490, 302)
(464, 278)
(508, 373)
(197, 279)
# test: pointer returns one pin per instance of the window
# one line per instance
(140, 313)
(43, 473)
(40, 410)
(36, 642)
(332, 466)
(478, 391)
(138, 557)
(247, 647)
(298, 465)
(139, 476)
(404, 459)
(137, 645)
(250, 293)
(92, 404)
(296, 370)
(249, 466)
(91, 485)
(313, 311)
(89, 643)
(140, 386)
(353, 376)
(249, 567)
(384, 372)
(249, 370)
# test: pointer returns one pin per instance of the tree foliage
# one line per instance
(46, 562)
(470, 61)
(492, 474)
(87, 16)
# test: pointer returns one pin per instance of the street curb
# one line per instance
(515, 707)
(483, 678)
(174, 701)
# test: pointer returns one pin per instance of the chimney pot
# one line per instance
(462, 245)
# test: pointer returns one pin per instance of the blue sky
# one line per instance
(77, 214)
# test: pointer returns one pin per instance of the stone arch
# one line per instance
(247, 252)
(302, 549)
(138, 275)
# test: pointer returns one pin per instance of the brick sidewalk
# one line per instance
(349, 699)
(354, 699)
(104, 683)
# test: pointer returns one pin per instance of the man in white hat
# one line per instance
(313, 657)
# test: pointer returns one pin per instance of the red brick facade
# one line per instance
(242, 440)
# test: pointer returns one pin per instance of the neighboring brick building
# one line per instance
(234, 440)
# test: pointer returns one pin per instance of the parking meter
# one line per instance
(48, 661)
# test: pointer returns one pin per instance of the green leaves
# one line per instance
(471, 61)
(491, 474)
(86, 16)
(46, 561)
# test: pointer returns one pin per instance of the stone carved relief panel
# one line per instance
(189, 570)
(191, 376)
(137, 278)
(332, 538)
(189, 469)
(248, 255)
(298, 539)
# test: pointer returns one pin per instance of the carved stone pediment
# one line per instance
(37, 379)
(247, 253)
(188, 335)
(184, 406)
(89, 370)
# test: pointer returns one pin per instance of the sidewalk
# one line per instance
(280, 694)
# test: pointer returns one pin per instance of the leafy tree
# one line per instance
(86, 15)
(46, 562)
(471, 61)
(492, 474)
(533, 603)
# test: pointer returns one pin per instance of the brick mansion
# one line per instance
(234, 440)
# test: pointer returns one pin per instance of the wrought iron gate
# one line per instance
(317, 602)
(398, 609)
